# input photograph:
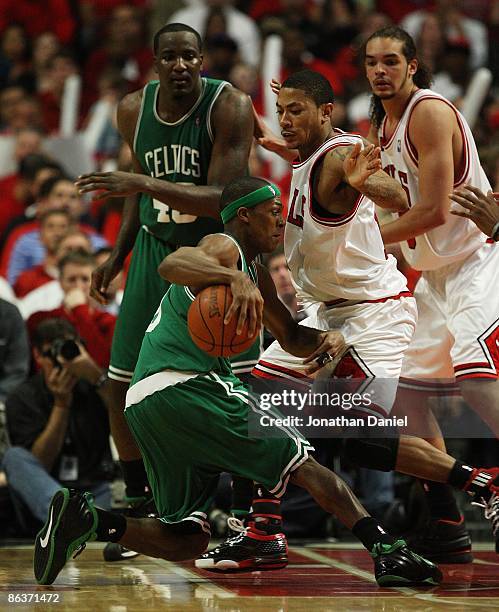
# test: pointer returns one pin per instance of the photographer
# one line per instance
(58, 424)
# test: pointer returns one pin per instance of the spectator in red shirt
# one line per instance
(94, 326)
(295, 57)
(45, 47)
(47, 16)
(54, 225)
(60, 67)
(15, 192)
(15, 66)
(125, 49)
(10, 97)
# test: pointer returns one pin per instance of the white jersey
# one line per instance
(336, 258)
(457, 238)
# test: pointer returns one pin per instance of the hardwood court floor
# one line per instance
(322, 577)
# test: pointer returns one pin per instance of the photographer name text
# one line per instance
(370, 420)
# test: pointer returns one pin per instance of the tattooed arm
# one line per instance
(365, 175)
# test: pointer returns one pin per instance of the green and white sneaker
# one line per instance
(396, 565)
(72, 521)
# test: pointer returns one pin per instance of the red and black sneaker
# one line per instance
(248, 550)
(490, 505)
(481, 479)
(443, 541)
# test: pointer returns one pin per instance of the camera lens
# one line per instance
(69, 350)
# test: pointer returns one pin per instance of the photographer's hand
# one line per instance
(60, 383)
(82, 366)
(48, 444)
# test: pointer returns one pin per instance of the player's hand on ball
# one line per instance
(360, 164)
(332, 345)
(247, 303)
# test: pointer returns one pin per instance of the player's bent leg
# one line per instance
(122, 436)
(394, 563)
(136, 483)
(73, 520)
(157, 539)
(482, 395)
(330, 491)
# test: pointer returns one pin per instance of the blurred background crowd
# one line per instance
(65, 64)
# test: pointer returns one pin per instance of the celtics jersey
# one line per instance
(179, 152)
(167, 344)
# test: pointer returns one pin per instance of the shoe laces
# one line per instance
(492, 513)
(235, 524)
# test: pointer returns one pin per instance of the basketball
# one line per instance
(205, 321)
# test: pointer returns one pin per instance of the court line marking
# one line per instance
(350, 569)
(483, 562)
(192, 577)
(428, 597)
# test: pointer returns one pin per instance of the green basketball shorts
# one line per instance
(197, 427)
(143, 292)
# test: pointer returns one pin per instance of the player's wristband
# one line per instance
(495, 232)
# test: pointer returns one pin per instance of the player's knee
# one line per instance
(374, 453)
(480, 391)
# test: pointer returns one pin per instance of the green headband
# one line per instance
(249, 200)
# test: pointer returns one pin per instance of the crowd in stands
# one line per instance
(51, 238)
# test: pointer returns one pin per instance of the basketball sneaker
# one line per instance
(72, 521)
(396, 565)
(139, 507)
(492, 514)
(443, 541)
(491, 507)
(246, 550)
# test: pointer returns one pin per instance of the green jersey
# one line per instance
(179, 152)
(167, 344)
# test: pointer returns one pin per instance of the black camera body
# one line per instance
(63, 347)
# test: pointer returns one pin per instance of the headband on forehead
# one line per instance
(249, 201)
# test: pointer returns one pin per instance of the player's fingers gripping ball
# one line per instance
(205, 321)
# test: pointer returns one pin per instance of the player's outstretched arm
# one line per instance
(480, 208)
(214, 262)
(296, 339)
(362, 168)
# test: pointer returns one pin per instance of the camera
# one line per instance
(63, 347)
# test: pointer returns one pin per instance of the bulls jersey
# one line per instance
(457, 238)
(334, 257)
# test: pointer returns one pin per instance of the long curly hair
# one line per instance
(422, 78)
